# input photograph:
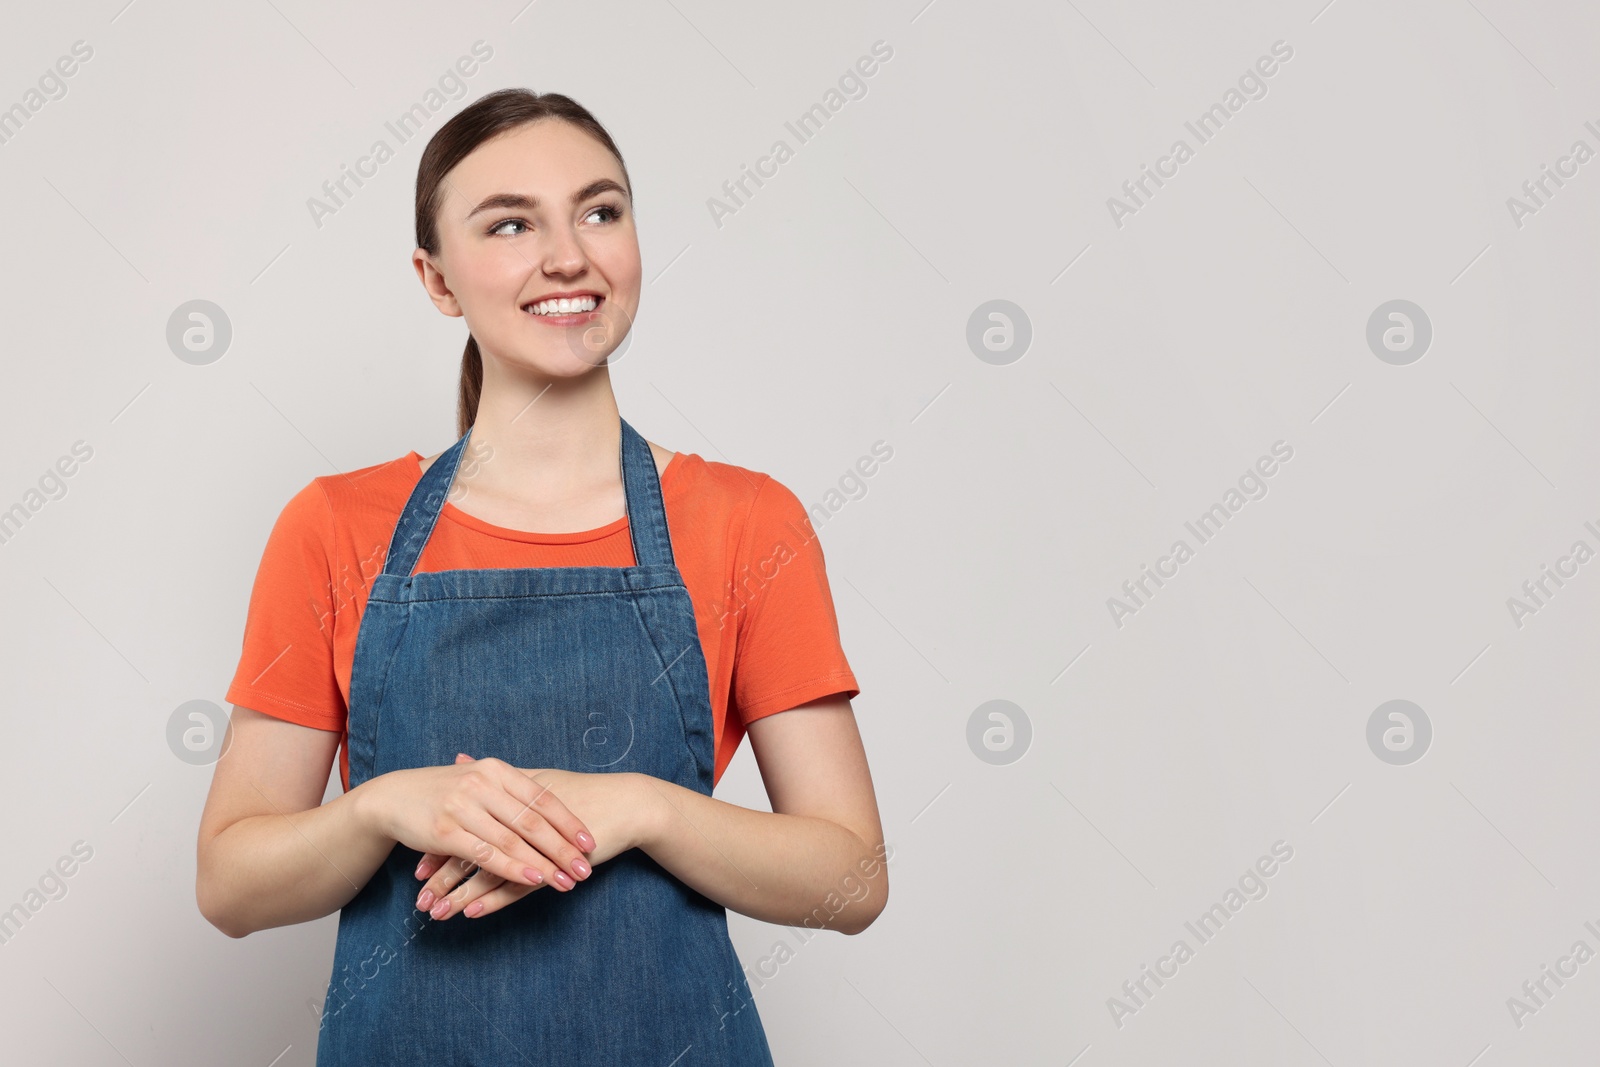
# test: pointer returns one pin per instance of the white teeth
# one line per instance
(564, 306)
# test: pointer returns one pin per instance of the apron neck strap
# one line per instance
(646, 513)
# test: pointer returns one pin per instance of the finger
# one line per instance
(479, 837)
(495, 899)
(559, 864)
(531, 811)
(556, 813)
(565, 822)
(538, 815)
(489, 837)
(454, 873)
(453, 898)
(467, 893)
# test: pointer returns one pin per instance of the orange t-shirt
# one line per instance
(742, 541)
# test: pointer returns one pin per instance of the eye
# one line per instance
(614, 212)
(498, 228)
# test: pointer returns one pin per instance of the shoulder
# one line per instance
(750, 505)
(354, 509)
(380, 489)
(739, 491)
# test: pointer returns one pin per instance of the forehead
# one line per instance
(549, 159)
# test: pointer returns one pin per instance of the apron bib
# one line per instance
(592, 669)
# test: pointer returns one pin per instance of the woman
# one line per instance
(527, 859)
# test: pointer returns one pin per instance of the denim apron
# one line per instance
(592, 669)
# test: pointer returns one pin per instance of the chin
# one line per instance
(557, 364)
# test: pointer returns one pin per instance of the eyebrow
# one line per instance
(522, 202)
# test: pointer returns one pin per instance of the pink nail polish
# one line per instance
(441, 909)
(564, 880)
(474, 909)
(532, 875)
(585, 842)
(582, 867)
(425, 900)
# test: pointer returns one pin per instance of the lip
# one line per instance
(577, 318)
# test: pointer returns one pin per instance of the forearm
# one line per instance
(275, 870)
(789, 869)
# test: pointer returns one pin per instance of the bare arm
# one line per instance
(818, 858)
(270, 852)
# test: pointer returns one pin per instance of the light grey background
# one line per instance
(829, 312)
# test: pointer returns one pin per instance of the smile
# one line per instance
(564, 311)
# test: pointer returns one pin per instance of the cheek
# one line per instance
(489, 279)
(617, 256)
(498, 268)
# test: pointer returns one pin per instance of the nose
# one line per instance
(563, 252)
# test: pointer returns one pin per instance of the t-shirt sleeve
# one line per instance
(286, 667)
(787, 647)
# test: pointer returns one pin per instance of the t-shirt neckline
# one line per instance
(577, 537)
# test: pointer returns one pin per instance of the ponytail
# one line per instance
(471, 387)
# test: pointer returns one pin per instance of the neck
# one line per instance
(534, 433)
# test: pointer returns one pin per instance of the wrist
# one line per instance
(369, 811)
(648, 806)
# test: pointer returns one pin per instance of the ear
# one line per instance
(433, 282)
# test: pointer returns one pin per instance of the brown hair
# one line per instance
(487, 117)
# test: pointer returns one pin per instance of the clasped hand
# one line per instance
(499, 839)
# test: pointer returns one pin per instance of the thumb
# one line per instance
(462, 757)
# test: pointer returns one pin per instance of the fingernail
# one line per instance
(474, 909)
(441, 909)
(422, 871)
(532, 875)
(564, 880)
(425, 900)
(585, 842)
(582, 868)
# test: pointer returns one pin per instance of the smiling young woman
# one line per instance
(517, 711)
